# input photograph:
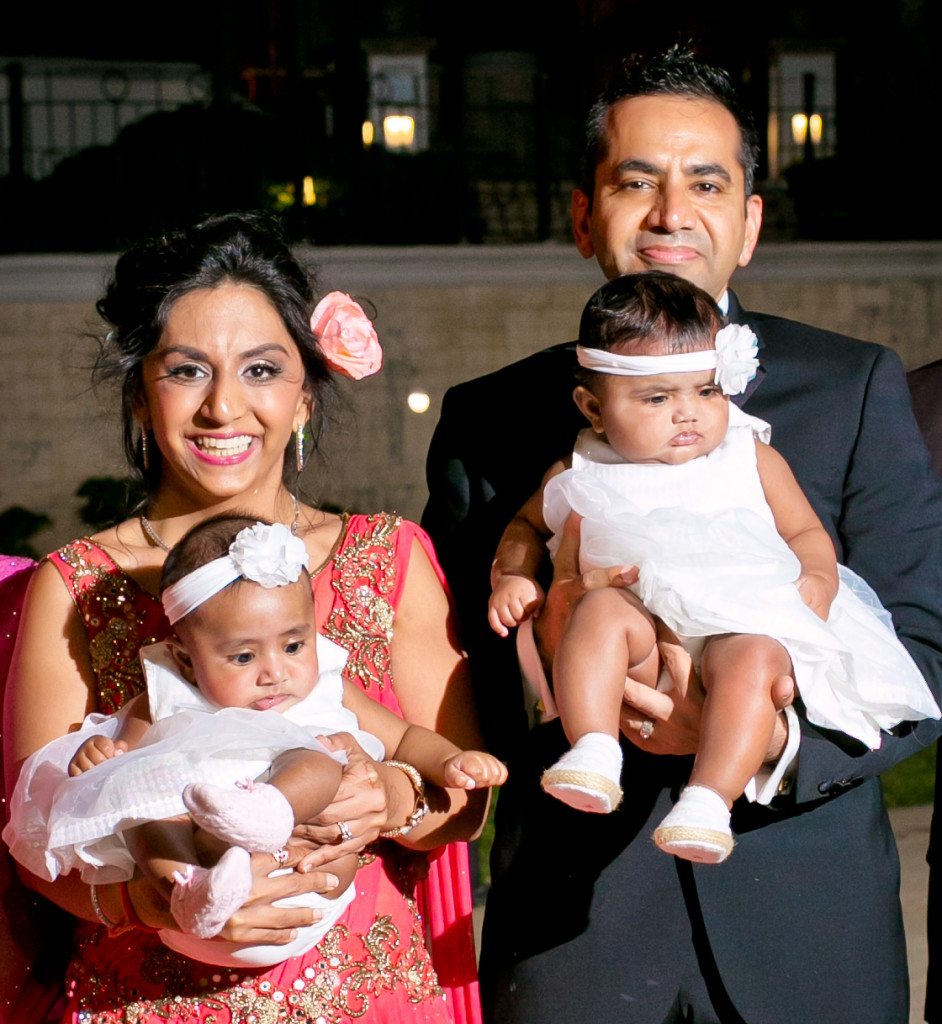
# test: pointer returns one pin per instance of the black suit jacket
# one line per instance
(802, 923)
(925, 385)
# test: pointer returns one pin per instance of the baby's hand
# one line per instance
(818, 592)
(94, 751)
(514, 599)
(614, 576)
(472, 769)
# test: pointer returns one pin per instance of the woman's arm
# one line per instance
(50, 690)
(434, 689)
(801, 529)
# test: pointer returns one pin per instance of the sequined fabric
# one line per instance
(373, 965)
(119, 616)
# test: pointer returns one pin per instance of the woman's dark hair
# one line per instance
(641, 313)
(149, 278)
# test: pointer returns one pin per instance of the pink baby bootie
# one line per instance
(251, 814)
(203, 899)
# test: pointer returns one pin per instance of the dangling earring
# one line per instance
(145, 455)
(299, 448)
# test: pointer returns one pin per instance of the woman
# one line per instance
(222, 370)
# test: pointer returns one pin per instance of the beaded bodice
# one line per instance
(119, 616)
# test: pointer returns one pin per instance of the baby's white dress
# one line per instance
(711, 561)
(58, 823)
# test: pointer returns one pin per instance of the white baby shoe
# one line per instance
(587, 777)
(697, 828)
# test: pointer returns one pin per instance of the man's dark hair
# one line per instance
(676, 72)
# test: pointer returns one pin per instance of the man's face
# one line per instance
(670, 194)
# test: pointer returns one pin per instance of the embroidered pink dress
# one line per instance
(374, 965)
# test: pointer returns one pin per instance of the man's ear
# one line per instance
(589, 407)
(181, 658)
(580, 212)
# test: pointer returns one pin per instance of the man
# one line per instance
(925, 386)
(587, 920)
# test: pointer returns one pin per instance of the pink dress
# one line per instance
(374, 964)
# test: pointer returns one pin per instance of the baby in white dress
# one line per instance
(237, 693)
(673, 479)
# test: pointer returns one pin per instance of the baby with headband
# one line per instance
(675, 480)
(244, 689)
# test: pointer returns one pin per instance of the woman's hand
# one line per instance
(258, 921)
(358, 812)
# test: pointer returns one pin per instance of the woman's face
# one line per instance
(222, 392)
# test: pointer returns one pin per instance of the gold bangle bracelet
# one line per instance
(421, 804)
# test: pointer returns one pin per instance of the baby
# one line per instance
(238, 596)
(675, 480)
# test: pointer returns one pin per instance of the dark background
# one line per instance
(286, 92)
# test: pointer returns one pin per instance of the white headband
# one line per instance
(269, 555)
(734, 359)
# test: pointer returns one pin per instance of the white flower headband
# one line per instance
(269, 555)
(734, 360)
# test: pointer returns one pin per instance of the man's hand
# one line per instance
(670, 720)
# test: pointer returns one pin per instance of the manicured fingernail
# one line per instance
(332, 881)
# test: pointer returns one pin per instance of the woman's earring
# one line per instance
(299, 447)
(145, 455)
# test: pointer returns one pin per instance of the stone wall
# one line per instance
(443, 314)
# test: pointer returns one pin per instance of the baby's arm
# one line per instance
(801, 530)
(98, 749)
(515, 593)
(438, 760)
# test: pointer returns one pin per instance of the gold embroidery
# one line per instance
(340, 983)
(364, 577)
(109, 605)
(341, 978)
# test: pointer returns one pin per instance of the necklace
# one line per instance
(148, 528)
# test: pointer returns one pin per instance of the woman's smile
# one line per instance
(223, 450)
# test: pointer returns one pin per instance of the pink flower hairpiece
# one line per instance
(346, 336)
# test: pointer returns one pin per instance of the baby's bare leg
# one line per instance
(160, 848)
(609, 635)
(308, 779)
(261, 816)
(738, 718)
(201, 899)
(738, 713)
